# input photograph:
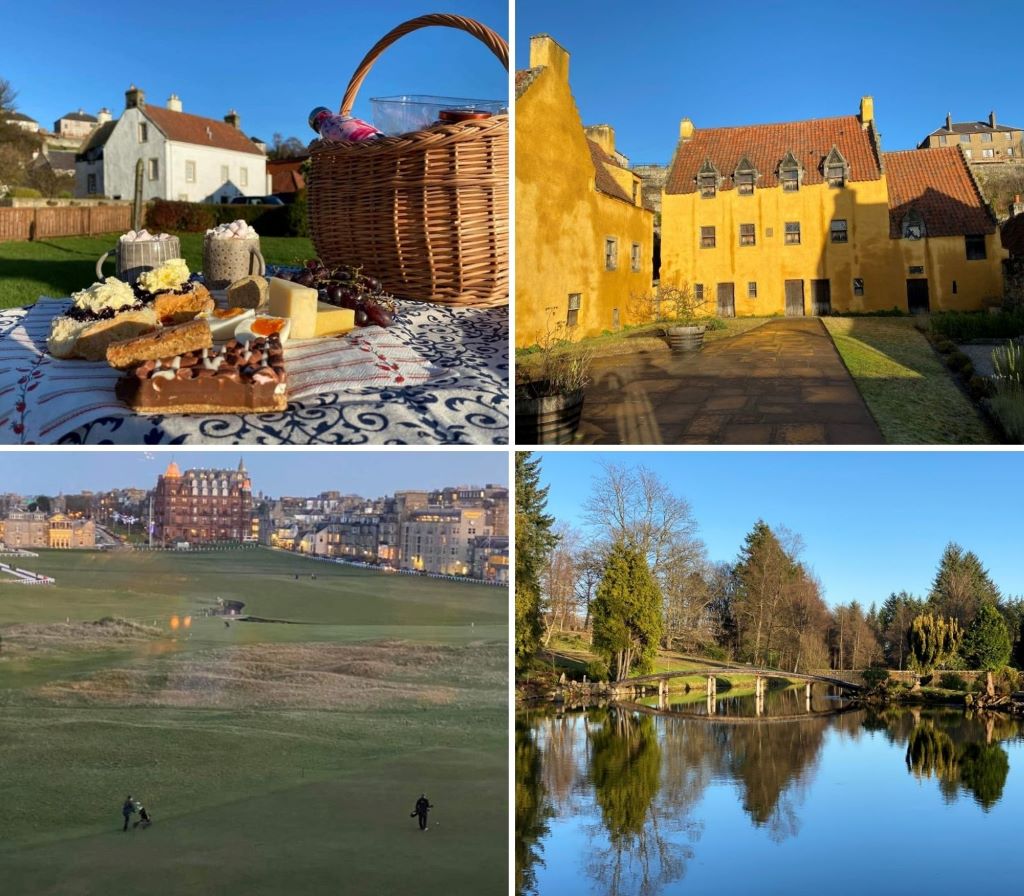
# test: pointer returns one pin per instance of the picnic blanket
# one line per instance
(438, 375)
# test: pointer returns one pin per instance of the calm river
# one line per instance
(619, 801)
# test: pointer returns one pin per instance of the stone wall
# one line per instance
(1013, 280)
(999, 183)
(653, 178)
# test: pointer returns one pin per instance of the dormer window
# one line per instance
(836, 168)
(744, 177)
(790, 173)
(913, 226)
(708, 180)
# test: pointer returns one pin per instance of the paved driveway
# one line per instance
(782, 383)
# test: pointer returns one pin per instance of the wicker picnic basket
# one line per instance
(427, 212)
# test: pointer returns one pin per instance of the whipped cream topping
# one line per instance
(169, 277)
(111, 293)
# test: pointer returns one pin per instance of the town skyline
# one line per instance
(97, 471)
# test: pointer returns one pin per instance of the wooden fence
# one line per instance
(43, 223)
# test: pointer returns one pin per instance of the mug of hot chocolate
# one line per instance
(138, 252)
(230, 252)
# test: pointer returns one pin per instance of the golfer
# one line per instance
(423, 806)
(127, 810)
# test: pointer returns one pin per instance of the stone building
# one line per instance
(75, 125)
(38, 530)
(441, 540)
(811, 217)
(981, 141)
(202, 506)
(584, 240)
(186, 157)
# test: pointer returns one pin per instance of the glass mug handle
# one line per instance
(99, 264)
(261, 265)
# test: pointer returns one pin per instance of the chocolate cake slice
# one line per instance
(235, 378)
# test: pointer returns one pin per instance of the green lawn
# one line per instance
(275, 757)
(61, 265)
(912, 396)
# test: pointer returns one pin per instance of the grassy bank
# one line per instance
(61, 265)
(909, 392)
(275, 757)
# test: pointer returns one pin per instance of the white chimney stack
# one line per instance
(174, 102)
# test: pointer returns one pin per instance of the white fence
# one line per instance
(391, 569)
(26, 576)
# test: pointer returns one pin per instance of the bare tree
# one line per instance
(7, 96)
(558, 582)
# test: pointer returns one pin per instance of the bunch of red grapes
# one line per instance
(347, 288)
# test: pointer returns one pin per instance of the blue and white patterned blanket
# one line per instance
(464, 400)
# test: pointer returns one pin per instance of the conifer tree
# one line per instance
(627, 612)
(534, 542)
(933, 640)
(961, 586)
(987, 642)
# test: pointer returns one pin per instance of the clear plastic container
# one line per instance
(396, 115)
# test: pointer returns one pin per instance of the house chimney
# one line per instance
(949, 121)
(174, 102)
(103, 116)
(992, 120)
(233, 119)
(603, 135)
(686, 129)
(134, 98)
(867, 110)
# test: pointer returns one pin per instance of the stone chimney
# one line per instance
(867, 110)
(949, 121)
(546, 52)
(992, 120)
(603, 135)
(103, 116)
(686, 129)
(174, 102)
(134, 98)
(233, 119)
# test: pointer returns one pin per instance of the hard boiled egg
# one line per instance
(263, 326)
(224, 321)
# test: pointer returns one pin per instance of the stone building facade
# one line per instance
(34, 529)
(202, 506)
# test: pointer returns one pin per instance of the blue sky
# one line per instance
(299, 473)
(273, 62)
(872, 522)
(642, 69)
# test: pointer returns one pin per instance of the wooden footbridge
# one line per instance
(640, 683)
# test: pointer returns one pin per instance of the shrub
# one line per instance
(714, 652)
(24, 193)
(943, 345)
(980, 387)
(298, 216)
(166, 217)
(958, 362)
(952, 682)
(597, 670)
(961, 326)
(196, 217)
(875, 676)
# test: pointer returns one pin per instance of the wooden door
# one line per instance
(821, 297)
(917, 296)
(794, 298)
(726, 300)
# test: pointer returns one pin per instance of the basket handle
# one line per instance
(494, 41)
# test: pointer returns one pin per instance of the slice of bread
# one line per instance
(64, 333)
(93, 341)
(172, 309)
(192, 336)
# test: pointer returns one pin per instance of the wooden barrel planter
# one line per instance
(685, 339)
(547, 419)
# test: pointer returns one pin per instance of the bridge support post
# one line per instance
(662, 694)
(758, 695)
(807, 691)
(712, 705)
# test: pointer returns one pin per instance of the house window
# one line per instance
(986, 138)
(747, 237)
(752, 290)
(744, 177)
(916, 269)
(988, 153)
(835, 176)
(965, 138)
(707, 237)
(90, 183)
(573, 315)
(635, 257)
(190, 172)
(1009, 151)
(838, 231)
(954, 287)
(975, 244)
(913, 226)
(707, 186)
(225, 174)
(792, 233)
(154, 169)
(243, 176)
(858, 286)
(611, 250)
(143, 132)
(698, 291)
(790, 181)
(967, 153)
(942, 140)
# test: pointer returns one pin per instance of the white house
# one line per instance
(22, 121)
(185, 157)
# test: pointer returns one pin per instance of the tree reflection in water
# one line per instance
(532, 808)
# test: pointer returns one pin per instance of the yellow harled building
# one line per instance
(811, 217)
(584, 241)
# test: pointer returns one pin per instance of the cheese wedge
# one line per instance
(299, 303)
(334, 321)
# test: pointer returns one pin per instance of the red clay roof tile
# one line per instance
(603, 179)
(936, 183)
(766, 145)
(185, 128)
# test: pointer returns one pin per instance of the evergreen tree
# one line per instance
(933, 640)
(627, 612)
(961, 586)
(987, 643)
(763, 575)
(534, 542)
